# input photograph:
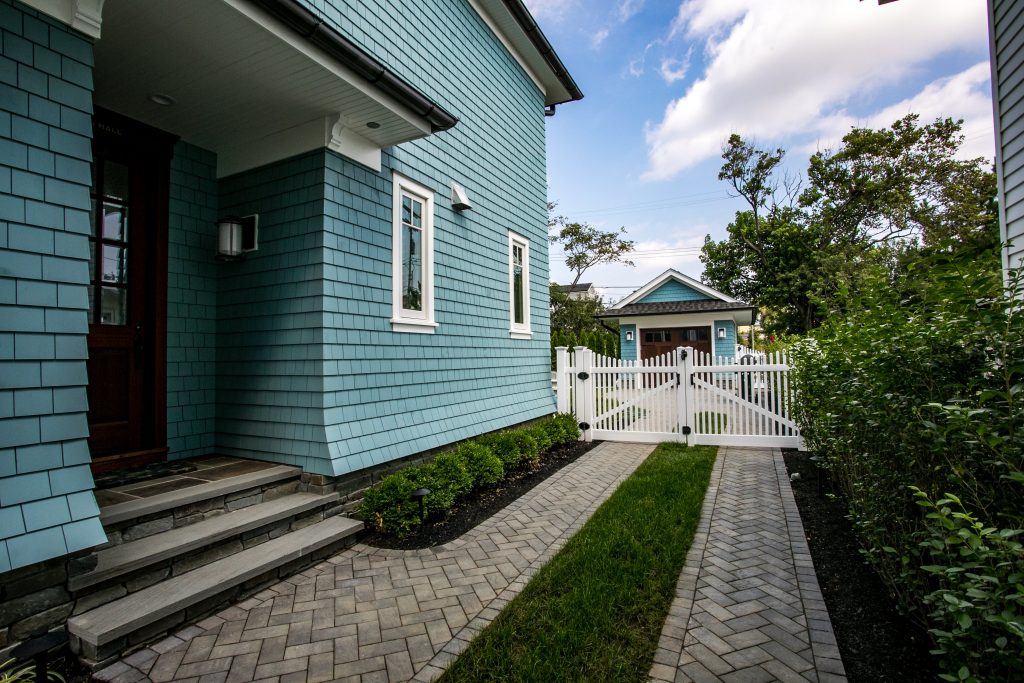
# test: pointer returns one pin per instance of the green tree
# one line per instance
(585, 246)
(882, 200)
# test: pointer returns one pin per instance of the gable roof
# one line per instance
(580, 287)
(672, 274)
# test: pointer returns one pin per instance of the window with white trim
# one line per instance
(519, 286)
(412, 258)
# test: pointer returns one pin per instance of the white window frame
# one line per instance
(519, 330)
(404, 320)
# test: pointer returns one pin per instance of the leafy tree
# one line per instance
(882, 200)
(586, 246)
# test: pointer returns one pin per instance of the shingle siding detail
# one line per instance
(192, 303)
(673, 290)
(45, 152)
(1008, 90)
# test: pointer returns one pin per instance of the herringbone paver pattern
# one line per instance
(747, 605)
(370, 615)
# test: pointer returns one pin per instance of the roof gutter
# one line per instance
(536, 36)
(319, 33)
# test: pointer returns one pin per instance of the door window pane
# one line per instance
(114, 306)
(115, 222)
(116, 180)
(115, 264)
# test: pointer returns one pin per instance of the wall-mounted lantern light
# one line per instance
(629, 335)
(721, 333)
(236, 236)
(460, 199)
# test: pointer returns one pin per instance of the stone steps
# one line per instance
(111, 629)
(115, 562)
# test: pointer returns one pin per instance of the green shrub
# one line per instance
(913, 396)
(503, 445)
(388, 506)
(447, 479)
(540, 435)
(483, 466)
(563, 428)
(529, 453)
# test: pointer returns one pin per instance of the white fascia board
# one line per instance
(83, 15)
(672, 274)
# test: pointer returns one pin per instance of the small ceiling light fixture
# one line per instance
(372, 124)
(161, 99)
(460, 200)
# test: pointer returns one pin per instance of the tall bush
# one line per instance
(918, 389)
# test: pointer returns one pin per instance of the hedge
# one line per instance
(388, 505)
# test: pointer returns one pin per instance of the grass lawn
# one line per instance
(595, 611)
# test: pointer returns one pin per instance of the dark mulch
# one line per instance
(876, 642)
(481, 504)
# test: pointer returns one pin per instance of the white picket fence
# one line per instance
(683, 395)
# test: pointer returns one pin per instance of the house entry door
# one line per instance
(128, 293)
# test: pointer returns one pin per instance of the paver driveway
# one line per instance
(388, 615)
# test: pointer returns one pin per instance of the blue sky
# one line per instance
(666, 82)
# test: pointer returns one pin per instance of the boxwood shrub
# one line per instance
(388, 506)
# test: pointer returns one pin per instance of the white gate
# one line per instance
(682, 395)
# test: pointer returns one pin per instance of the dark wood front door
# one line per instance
(656, 342)
(128, 293)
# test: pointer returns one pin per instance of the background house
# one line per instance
(370, 317)
(582, 290)
(674, 310)
(1005, 17)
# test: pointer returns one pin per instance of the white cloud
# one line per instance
(551, 10)
(776, 69)
(966, 95)
(628, 9)
(673, 69)
(598, 38)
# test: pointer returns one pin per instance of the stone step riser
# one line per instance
(116, 587)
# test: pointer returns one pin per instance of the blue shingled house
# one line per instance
(674, 310)
(306, 233)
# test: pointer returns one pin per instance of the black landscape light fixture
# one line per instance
(38, 649)
(817, 469)
(420, 494)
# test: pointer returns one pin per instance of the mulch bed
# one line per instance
(876, 642)
(481, 504)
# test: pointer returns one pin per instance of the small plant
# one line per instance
(483, 466)
(503, 445)
(541, 436)
(389, 505)
(447, 479)
(12, 672)
(563, 428)
(528, 450)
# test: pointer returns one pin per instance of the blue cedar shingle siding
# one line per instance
(724, 348)
(46, 503)
(672, 290)
(192, 303)
(1008, 72)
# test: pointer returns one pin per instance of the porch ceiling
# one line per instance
(244, 85)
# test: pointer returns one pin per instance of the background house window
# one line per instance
(412, 258)
(519, 286)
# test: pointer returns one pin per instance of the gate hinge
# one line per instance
(584, 426)
(583, 375)
(686, 431)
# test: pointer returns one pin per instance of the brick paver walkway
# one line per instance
(747, 605)
(388, 615)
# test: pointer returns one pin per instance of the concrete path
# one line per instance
(747, 605)
(370, 615)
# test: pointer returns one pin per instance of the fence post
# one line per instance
(687, 418)
(562, 378)
(585, 391)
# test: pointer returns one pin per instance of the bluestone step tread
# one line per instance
(121, 559)
(120, 512)
(132, 612)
